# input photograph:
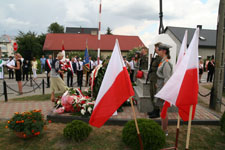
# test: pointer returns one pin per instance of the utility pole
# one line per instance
(218, 83)
(161, 27)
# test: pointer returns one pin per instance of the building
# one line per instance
(92, 31)
(207, 39)
(77, 43)
(6, 44)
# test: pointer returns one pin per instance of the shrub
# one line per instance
(77, 130)
(222, 123)
(27, 124)
(151, 133)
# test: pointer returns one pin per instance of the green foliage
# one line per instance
(109, 31)
(77, 130)
(151, 133)
(55, 28)
(28, 123)
(222, 123)
(38, 66)
(29, 45)
(132, 52)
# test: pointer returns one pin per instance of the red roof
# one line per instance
(54, 41)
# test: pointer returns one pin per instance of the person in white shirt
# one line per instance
(1, 68)
(67, 58)
(96, 62)
(79, 72)
(132, 69)
(11, 62)
(91, 65)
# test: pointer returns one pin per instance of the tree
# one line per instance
(109, 31)
(29, 45)
(55, 28)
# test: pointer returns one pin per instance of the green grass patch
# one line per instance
(108, 138)
(36, 97)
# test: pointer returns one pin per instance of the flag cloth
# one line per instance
(86, 60)
(181, 89)
(182, 52)
(115, 89)
(63, 52)
(183, 49)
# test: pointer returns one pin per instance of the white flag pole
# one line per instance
(99, 30)
(189, 128)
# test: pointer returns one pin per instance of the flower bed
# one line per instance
(27, 124)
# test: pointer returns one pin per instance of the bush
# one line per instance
(222, 123)
(77, 130)
(27, 123)
(151, 133)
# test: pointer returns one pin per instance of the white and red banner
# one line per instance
(116, 88)
(63, 52)
(181, 89)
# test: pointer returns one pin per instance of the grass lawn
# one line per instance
(36, 97)
(107, 138)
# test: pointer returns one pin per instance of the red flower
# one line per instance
(83, 102)
(49, 121)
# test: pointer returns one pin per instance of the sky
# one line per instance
(124, 17)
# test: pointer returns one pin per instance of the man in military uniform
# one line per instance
(153, 79)
(144, 59)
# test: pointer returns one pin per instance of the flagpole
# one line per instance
(99, 30)
(189, 128)
(178, 131)
(136, 124)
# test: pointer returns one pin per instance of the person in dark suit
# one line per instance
(25, 69)
(79, 72)
(48, 68)
(211, 70)
(91, 65)
(70, 74)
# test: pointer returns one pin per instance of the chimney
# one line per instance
(199, 26)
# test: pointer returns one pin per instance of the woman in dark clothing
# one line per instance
(17, 68)
(25, 69)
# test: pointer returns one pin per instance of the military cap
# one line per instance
(164, 46)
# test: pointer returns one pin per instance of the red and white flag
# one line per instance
(63, 51)
(115, 89)
(181, 89)
(183, 49)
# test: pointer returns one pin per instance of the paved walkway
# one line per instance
(7, 109)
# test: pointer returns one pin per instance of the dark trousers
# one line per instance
(25, 73)
(69, 79)
(48, 79)
(132, 75)
(80, 77)
(210, 76)
(11, 74)
(88, 74)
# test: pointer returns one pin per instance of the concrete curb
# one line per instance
(121, 122)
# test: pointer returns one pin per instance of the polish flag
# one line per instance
(183, 49)
(182, 52)
(181, 89)
(115, 89)
(63, 51)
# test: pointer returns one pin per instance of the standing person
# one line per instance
(43, 60)
(25, 69)
(201, 69)
(91, 65)
(56, 83)
(11, 71)
(70, 74)
(164, 72)
(17, 68)
(1, 68)
(132, 69)
(136, 65)
(67, 58)
(48, 67)
(34, 68)
(153, 80)
(211, 70)
(79, 72)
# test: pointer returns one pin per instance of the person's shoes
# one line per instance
(156, 114)
(166, 133)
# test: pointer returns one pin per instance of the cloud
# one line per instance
(127, 17)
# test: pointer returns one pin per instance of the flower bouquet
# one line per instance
(74, 101)
(27, 124)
